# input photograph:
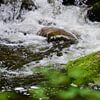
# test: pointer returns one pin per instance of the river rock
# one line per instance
(94, 13)
(57, 35)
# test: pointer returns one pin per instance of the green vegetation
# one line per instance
(84, 69)
(67, 84)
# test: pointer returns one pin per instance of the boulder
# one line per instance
(56, 35)
(94, 13)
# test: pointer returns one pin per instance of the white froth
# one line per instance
(70, 18)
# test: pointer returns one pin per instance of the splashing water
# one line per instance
(69, 18)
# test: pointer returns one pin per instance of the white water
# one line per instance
(70, 18)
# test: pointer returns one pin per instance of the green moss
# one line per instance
(84, 69)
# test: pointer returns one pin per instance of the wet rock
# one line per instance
(58, 36)
(20, 81)
(94, 13)
(16, 57)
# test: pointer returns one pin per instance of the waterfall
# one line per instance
(18, 28)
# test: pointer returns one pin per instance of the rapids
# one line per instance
(22, 32)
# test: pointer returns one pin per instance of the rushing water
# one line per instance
(22, 32)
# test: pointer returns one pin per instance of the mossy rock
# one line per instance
(94, 13)
(85, 69)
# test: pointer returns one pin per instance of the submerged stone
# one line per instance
(84, 69)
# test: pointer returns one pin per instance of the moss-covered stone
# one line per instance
(84, 69)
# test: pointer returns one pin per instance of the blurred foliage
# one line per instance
(85, 69)
(72, 82)
(67, 84)
(3, 96)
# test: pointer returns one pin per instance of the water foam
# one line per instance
(70, 18)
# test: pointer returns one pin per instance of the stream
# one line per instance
(21, 49)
